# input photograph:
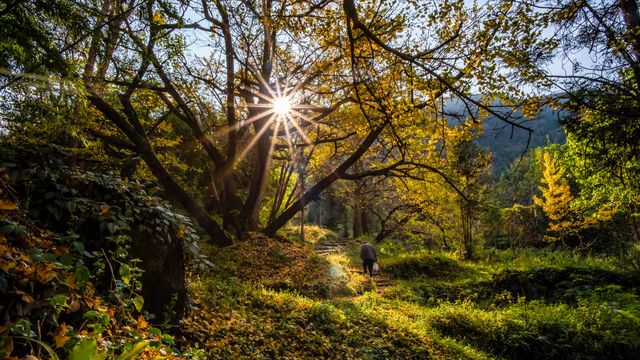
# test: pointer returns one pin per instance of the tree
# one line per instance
(511, 215)
(556, 202)
(602, 96)
(469, 165)
(361, 90)
(605, 170)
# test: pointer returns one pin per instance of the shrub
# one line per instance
(534, 330)
(415, 265)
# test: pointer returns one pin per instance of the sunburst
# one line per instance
(281, 106)
(285, 116)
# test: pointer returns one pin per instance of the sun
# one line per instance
(281, 106)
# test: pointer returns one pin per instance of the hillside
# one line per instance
(268, 298)
(544, 305)
(508, 143)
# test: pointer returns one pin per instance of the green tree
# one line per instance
(469, 166)
(364, 90)
(603, 160)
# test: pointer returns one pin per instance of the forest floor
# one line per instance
(276, 298)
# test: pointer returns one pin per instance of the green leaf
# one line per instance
(134, 351)
(84, 350)
(154, 331)
(125, 273)
(58, 301)
(66, 260)
(82, 275)
(87, 349)
(7, 228)
(23, 327)
(78, 246)
(138, 302)
(93, 315)
(36, 255)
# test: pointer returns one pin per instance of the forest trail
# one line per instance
(334, 245)
(381, 279)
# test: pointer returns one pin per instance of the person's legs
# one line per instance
(364, 267)
(368, 264)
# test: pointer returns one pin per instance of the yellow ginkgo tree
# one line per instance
(556, 201)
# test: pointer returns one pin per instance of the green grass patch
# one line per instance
(409, 266)
(534, 330)
(313, 234)
(238, 320)
(534, 305)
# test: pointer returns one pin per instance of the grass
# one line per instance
(527, 304)
(532, 304)
(312, 234)
(260, 323)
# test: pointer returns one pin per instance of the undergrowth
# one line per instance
(276, 298)
(536, 305)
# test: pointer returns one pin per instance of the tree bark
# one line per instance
(357, 211)
(364, 219)
(251, 208)
(143, 147)
(632, 21)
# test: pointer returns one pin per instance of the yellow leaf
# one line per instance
(60, 336)
(45, 273)
(142, 323)
(8, 345)
(25, 297)
(7, 205)
(70, 280)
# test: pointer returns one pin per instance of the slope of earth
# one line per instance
(274, 298)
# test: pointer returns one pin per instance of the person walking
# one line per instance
(368, 256)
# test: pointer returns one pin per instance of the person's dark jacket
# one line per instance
(368, 253)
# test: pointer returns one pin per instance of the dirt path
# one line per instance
(327, 247)
(381, 279)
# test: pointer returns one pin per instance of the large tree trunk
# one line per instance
(173, 188)
(357, 221)
(251, 208)
(364, 219)
(163, 281)
(632, 21)
(231, 208)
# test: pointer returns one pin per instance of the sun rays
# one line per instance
(282, 118)
(281, 106)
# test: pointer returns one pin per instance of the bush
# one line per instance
(537, 331)
(411, 266)
(70, 280)
(312, 233)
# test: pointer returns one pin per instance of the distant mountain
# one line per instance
(507, 143)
